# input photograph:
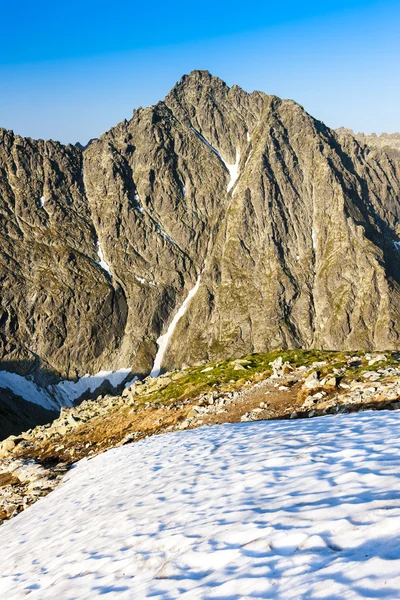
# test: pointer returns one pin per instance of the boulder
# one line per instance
(239, 368)
(312, 381)
(8, 445)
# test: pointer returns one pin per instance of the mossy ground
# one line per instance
(223, 376)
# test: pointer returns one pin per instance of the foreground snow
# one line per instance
(291, 510)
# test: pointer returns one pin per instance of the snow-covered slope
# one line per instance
(64, 393)
(291, 510)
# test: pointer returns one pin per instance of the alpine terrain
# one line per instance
(200, 356)
(217, 223)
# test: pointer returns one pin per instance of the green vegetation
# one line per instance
(223, 376)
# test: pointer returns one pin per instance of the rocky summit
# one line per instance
(285, 232)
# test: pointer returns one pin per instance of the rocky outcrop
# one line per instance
(292, 228)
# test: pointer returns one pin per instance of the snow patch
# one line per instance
(163, 340)
(137, 200)
(69, 391)
(130, 382)
(143, 281)
(276, 509)
(102, 261)
(41, 201)
(64, 393)
(248, 136)
(396, 245)
(233, 171)
(28, 390)
(248, 158)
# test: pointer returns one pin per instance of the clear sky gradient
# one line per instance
(71, 70)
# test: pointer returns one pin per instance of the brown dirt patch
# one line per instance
(8, 479)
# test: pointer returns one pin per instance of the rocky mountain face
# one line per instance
(59, 310)
(290, 229)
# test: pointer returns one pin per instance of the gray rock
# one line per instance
(331, 382)
(376, 358)
(312, 381)
(239, 368)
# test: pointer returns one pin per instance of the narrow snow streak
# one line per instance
(203, 139)
(163, 340)
(248, 158)
(233, 171)
(161, 231)
(313, 238)
(102, 261)
(41, 201)
(232, 168)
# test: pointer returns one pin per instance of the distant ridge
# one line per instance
(385, 140)
(83, 147)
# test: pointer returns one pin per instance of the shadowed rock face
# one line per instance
(17, 415)
(291, 225)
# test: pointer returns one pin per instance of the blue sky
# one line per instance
(70, 71)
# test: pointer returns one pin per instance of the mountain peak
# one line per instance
(199, 78)
(199, 75)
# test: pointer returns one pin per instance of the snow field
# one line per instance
(28, 390)
(300, 509)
